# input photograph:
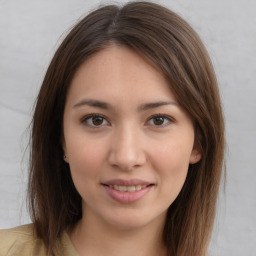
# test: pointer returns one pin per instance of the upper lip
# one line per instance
(131, 182)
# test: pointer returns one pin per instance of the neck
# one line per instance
(91, 238)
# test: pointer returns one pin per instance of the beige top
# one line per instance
(20, 241)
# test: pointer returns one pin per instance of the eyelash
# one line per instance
(85, 119)
(94, 115)
(165, 117)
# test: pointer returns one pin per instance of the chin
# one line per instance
(134, 221)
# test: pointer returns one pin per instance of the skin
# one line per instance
(127, 141)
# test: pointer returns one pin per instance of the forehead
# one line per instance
(120, 73)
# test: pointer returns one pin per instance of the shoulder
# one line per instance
(20, 241)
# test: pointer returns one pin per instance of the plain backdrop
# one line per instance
(31, 30)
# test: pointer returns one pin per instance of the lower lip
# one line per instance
(127, 197)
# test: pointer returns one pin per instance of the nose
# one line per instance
(126, 150)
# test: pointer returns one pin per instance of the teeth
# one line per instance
(138, 187)
(131, 188)
(122, 188)
(127, 188)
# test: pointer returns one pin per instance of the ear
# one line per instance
(197, 150)
(195, 156)
(65, 157)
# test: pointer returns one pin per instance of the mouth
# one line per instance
(132, 188)
(127, 191)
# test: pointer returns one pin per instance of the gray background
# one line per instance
(31, 30)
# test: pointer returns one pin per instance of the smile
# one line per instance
(127, 191)
(127, 188)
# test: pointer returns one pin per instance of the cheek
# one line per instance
(85, 158)
(174, 155)
(171, 163)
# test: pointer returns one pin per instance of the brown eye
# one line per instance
(159, 120)
(95, 121)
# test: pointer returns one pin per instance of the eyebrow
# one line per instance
(92, 103)
(157, 104)
(105, 105)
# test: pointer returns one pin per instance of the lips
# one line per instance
(128, 188)
(127, 191)
(132, 182)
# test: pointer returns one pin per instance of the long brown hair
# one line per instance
(171, 45)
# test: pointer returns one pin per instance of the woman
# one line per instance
(127, 141)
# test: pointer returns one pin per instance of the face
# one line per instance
(127, 141)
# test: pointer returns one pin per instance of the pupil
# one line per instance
(97, 120)
(158, 120)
